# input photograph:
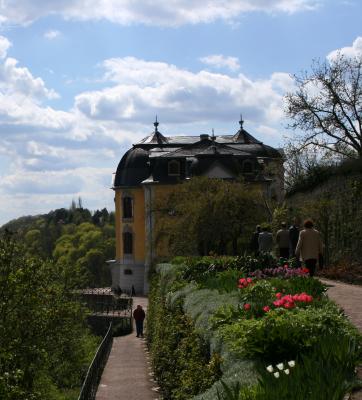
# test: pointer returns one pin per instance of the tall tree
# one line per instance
(206, 215)
(44, 345)
(327, 106)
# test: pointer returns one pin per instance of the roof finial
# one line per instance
(156, 124)
(241, 121)
(213, 135)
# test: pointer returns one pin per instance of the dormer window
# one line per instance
(127, 203)
(174, 168)
(247, 167)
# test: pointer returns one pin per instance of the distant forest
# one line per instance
(75, 236)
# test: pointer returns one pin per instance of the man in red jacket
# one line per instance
(139, 316)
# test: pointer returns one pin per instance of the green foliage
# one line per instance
(258, 295)
(189, 214)
(41, 233)
(43, 340)
(203, 269)
(237, 392)
(285, 333)
(224, 281)
(88, 247)
(328, 367)
(336, 209)
(299, 284)
(321, 173)
(182, 364)
(325, 372)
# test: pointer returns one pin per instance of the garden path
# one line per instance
(348, 297)
(127, 375)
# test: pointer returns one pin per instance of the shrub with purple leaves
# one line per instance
(280, 272)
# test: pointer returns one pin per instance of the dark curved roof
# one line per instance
(143, 160)
(133, 168)
(258, 149)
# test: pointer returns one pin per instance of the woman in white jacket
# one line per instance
(309, 246)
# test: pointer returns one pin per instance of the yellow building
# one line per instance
(157, 163)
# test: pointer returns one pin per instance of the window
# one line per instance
(247, 167)
(174, 168)
(127, 243)
(127, 207)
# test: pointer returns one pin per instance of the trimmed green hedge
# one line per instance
(181, 359)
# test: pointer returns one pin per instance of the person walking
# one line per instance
(265, 240)
(254, 242)
(293, 237)
(139, 316)
(309, 246)
(282, 240)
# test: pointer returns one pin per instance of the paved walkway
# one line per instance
(127, 375)
(349, 298)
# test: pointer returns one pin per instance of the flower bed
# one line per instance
(248, 323)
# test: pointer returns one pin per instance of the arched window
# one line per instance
(127, 243)
(247, 167)
(127, 207)
(174, 168)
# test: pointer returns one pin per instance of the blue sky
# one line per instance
(81, 80)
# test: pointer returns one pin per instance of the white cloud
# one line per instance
(54, 155)
(4, 46)
(156, 12)
(52, 34)
(220, 61)
(350, 51)
(142, 89)
(19, 80)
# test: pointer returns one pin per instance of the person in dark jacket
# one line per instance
(293, 237)
(265, 240)
(254, 242)
(139, 316)
(282, 239)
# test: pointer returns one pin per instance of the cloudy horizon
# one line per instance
(80, 81)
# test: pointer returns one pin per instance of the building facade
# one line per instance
(156, 164)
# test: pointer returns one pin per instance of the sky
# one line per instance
(82, 80)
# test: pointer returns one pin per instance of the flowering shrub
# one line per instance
(261, 297)
(290, 301)
(281, 272)
(282, 333)
(244, 283)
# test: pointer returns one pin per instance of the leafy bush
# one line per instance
(224, 281)
(282, 334)
(328, 367)
(300, 284)
(200, 268)
(44, 344)
(181, 359)
(280, 272)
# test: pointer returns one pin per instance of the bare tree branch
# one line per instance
(328, 104)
